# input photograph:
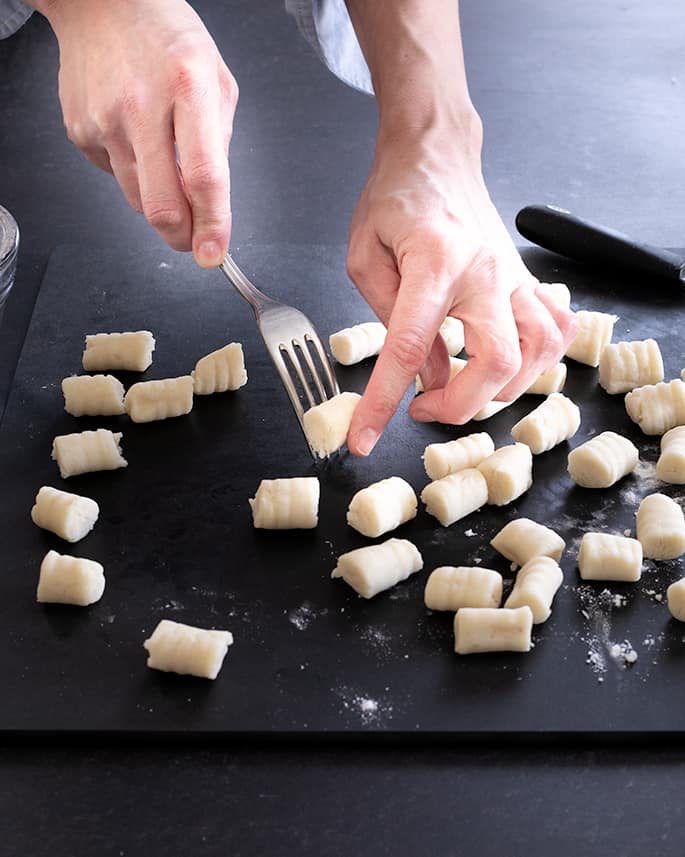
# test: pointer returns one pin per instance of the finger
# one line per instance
(125, 170)
(565, 319)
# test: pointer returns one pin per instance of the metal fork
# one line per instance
(292, 343)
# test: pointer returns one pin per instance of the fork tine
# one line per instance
(293, 349)
(286, 378)
(313, 371)
(325, 365)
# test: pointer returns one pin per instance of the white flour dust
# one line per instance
(597, 608)
(370, 711)
(301, 617)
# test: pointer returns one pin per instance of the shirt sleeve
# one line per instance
(326, 25)
(13, 14)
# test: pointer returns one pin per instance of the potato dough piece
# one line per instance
(70, 580)
(456, 495)
(450, 588)
(559, 292)
(508, 472)
(452, 332)
(382, 507)
(441, 459)
(594, 334)
(536, 585)
(456, 365)
(555, 420)
(219, 371)
(626, 365)
(671, 464)
(372, 569)
(660, 527)
(490, 410)
(601, 461)
(603, 556)
(522, 539)
(87, 451)
(93, 396)
(675, 595)
(656, 408)
(183, 649)
(551, 381)
(354, 344)
(490, 629)
(286, 504)
(68, 516)
(131, 351)
(147, 401)
(326, 425)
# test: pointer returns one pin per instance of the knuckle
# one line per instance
(408, 348)
(164, 216)
(504, 361)
(205, 175)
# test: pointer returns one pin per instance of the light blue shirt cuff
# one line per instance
(13, 15)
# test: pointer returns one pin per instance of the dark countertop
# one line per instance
(583, 107)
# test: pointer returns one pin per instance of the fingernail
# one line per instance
(366, 440)
(209, 254)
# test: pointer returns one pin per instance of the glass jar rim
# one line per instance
(9, 235)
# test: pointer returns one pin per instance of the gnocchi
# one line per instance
(382, 506)
(536, 585)
(372, 569)
(69, 580)
(147, 401)
(675, 596)
(456, 495)
(130, 351)
(656, 408)
(601, 461)
(286, 504)
(354, 344)
(595, 330)
(522, 540)
(456, 365)
(508, 473)
(88, 451)
(558, 292)
(441, 459)
(450, 588)
(220, 371)
(660, 527)
(492, 629)
(603, 556)
(186, 650)
(452, 332)
(551, 381)
(626, 365)
(326, 425)
(671, 464)
(93, 396)
(69, 516)
(555, 420)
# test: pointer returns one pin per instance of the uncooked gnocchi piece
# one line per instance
(536, 585)
(671, 464)
(382, 506)
(601, 461)
(69, 516)
(456, 495)
(604, 556)
(492, 629)
(594, 334)
(660, 527)
(286, 504)
(372, 569)
(147, 401)
(354, 344)
(454, 587)
(522, 539)
(326, 425)
(452, 332)
(69, 580)
(130, 351)
(87, 451)
(626, 365)
(551, 381)
(219, 371)
(441, 459)
(456, 365)
(93, 396)
(177, 648)
(553, 421)
(559, 292)
(508, 473)
(656, 408)
(489, 410)
(675, 595)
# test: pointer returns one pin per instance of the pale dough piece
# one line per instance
(130, 351)
(177, 648)
(456, 495)
(675, 594)
(450, 588)
(594, 334)
(220, 371)
(671, 464)
(286, 504)
(326, 425)
(69, 516)
(441, 459)
(88, 451)
(490, 410)
(456, 365)
(372, 569)
(70, 580)
(93, 396)
(452, 332)
(354, 344)
(660, 527)
(382, 506)
(603, 556)
(626, 365)
(147, 401)
(656, 408)
(491, 629)
(559, 292)
(551, 381)
(508, 473)
(601, 461)
(522, 539)
(536, 585)
(553, 421)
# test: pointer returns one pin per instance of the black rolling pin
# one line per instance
(558, 230)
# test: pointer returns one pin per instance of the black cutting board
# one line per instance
(310, 657)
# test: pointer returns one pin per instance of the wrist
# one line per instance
(437, 128)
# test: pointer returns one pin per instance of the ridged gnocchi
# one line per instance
(186, 650)
(441, 459)
(553, 421)
(88, 451)
(286, 504)
(551, 381)
(354, 344)
(148, 401)
(454, 587)
(508, 473)
(522, 540)
(93, 396)
(601, 461)
(456, 495)
(660, 527)
(220, 371)
(326, 425)
(626, 365)
(595, 330)
(604, 556)
(69, 580)
(131, 350)
(375, 568)
(671, 464)
(656, 408)
(536, 585)
(492, 629)
(69, 516)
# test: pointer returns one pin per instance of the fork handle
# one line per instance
(257, 300)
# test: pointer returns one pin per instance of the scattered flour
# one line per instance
(623, 653)
(370, 711)
(302, 616)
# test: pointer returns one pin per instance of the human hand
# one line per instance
(427, 242)
(140, 82)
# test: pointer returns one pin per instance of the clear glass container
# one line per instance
(9, 247)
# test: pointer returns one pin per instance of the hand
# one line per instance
(427, 242)
(139, 82)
